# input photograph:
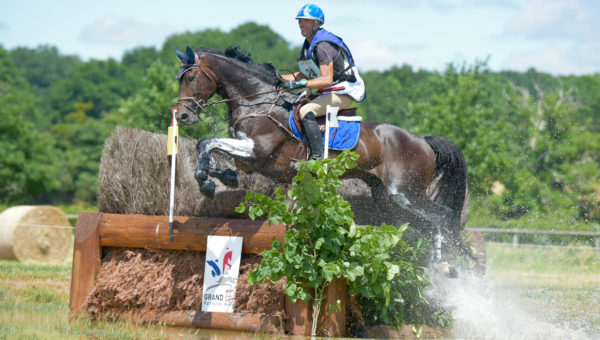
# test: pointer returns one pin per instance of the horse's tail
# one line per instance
(449, 186)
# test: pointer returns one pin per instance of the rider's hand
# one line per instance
(295, 84)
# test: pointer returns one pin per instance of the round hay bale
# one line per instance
(135, 172)
(35, 234)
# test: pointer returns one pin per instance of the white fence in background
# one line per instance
(516, 232)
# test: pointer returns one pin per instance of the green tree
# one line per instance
(464, 108)
(43, 67)
(264, 44)
(139, 60)
(103, 83)
(150, 108)
(391, 93)
(80, 140)
(27, 160)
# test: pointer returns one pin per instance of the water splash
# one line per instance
(481, 310)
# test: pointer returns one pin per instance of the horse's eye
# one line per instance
(190, 78)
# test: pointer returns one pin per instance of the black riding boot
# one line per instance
(313, 133)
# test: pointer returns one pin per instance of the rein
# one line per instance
(204, 105)
(267, 115)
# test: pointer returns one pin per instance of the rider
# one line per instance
(326, 65)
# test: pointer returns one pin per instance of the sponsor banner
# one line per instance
(221, 270)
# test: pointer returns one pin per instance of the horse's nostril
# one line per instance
(184, 116)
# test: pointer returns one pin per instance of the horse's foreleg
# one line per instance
(207, 165)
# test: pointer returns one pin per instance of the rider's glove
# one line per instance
(295, 84)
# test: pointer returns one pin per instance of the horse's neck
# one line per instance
(236, 82)
(262, 104)
(243, 87)
(247, 99)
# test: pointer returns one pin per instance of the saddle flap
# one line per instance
(348, 114)
(297, 114)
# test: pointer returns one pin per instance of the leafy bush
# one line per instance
(324, 243)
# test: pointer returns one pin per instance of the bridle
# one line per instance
(201, 104)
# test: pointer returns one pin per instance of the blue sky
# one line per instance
(556, 36)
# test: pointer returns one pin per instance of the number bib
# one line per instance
(309, 68)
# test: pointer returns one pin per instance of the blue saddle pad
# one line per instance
(341, 138)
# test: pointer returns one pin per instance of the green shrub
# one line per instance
(324, 243)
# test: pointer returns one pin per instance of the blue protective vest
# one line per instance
(324, 35)
(346, 79)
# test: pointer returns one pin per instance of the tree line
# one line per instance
(531, 140)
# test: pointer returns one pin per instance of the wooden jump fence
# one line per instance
(96, 230)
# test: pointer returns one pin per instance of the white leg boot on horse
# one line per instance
(207, 166)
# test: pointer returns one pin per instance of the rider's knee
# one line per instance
(316, 109)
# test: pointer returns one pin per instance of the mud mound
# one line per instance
(160, 280)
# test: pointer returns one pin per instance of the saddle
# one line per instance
(348, 114)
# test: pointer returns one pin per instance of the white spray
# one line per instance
(480, 310)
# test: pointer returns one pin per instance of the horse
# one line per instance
(423, 178)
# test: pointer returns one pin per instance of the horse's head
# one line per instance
(196, 85)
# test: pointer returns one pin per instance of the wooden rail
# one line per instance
(96, 230)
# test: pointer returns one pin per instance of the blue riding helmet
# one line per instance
(311, 12)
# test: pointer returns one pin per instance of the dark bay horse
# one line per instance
(423, 178)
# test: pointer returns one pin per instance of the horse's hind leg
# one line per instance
(438, 221)
(208, 166)
(429, 216)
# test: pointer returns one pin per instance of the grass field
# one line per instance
(560, 285)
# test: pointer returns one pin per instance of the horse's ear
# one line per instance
(190, 53)
(180, 54)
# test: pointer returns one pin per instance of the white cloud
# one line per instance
(547, 19)
(549, 59)
(121, 31)
(373, 55)
(587, 52)
(562, 35)
(461, 4)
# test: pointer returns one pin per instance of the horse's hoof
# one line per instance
(200, 176)
(229, 178)
(208, 189)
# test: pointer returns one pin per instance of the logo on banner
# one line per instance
(221, 272)
(216, 271)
